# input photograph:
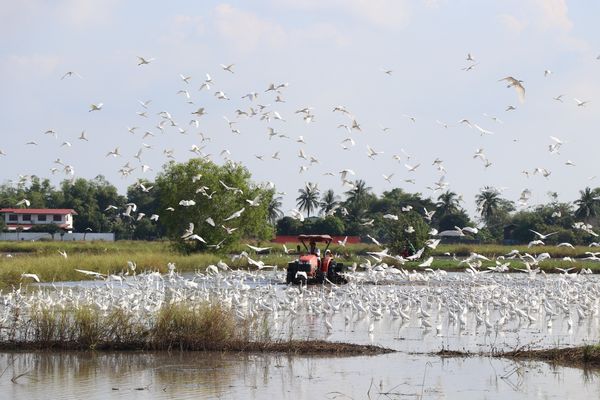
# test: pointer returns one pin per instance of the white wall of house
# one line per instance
(40, 219)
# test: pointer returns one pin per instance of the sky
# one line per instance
(328, 53)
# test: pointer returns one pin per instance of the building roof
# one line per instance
(61, 211)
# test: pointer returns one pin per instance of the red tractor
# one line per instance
(310, 267)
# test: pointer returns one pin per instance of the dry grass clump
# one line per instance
(179, 326)
(175, 326)
(203, 327)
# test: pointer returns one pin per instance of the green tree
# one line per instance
(329, 202)
(494, 211)
(89, 198)
(288, 226)
(409, 232)
(217, 192)
(450, 220)
(146, 196)
(447, 203)
(358, 196)
(330, 225)
(587, 204)
(356, 206)
(308, 200)
(274, 209)
(488, 201)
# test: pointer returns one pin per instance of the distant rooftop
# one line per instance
(61, 211)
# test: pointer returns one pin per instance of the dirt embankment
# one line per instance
(300, 347)
(582, 356)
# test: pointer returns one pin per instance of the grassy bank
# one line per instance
(584, 356)
(181, 326)
(44, 259)
(587, 356)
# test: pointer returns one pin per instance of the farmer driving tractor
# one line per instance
(310, 268)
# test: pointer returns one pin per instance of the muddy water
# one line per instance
(234, 376)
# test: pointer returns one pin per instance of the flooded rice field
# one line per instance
(261, 376)
(416, 314)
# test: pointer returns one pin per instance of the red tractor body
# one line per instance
(310, 267)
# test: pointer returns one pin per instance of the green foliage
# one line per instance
(329, 202)
(274, 210)
(330, 225)
(409, 232)
(147, 202)
(90, 198)
(588, 205)
(450, 220)
(288, 226)
(200, 181)
(308, 200)
(396, 198)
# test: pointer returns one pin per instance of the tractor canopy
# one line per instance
(315, 238)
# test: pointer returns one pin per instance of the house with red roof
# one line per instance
(25, 218)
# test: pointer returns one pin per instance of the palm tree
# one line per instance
(309, 198)
(488, 201)
(448, 203)
(587, 204)
(329, 202)
(274, 210)
(358, 195)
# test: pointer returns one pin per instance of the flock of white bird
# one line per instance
(478, 301)
(431, 299)
(253, 108)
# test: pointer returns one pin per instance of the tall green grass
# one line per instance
(43, 258)
(495, 250)
(91, 247)
(179, 326)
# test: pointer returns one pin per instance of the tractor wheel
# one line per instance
(331, 271)
(334, 273)
(291, 272)
(301, 280)
(319, 277)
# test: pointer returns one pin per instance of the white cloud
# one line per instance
(391, 14)
(554, 14)
(322, 33)
(384, 13)
(35, 65)
(195, 23)
(433, 3)
(182, 28)
(247, 30)
(512, 24)
(83, 13)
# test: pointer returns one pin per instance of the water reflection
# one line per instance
(261, 376)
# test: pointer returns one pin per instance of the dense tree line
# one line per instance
(152, 210)
(360, 212)
(197, 196)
